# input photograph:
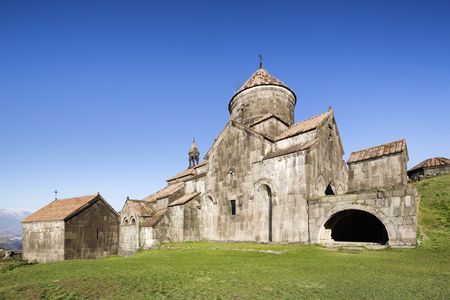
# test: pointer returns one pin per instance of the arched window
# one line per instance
(133, 221)
(125, 221)
(209, 199)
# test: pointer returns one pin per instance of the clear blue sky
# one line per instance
(106, 96)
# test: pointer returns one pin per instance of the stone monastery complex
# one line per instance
(265, 179)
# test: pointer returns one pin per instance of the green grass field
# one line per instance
(243, 271)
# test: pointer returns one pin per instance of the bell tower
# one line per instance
(194, 155)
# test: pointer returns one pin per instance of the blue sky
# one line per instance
(106, 96)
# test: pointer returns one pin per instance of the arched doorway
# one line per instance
(354, 225)
(266, 192)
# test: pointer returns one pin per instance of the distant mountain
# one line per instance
(10, 220)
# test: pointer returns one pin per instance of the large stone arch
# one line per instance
(323, 235)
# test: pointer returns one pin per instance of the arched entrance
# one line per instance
(266, 192)
(354, 225)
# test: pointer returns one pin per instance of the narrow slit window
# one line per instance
(97, 233)
(233, 207)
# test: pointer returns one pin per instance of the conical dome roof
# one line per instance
(260, 77)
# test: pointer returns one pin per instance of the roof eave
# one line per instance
(294, 135)
(373, 158)
(50, 220)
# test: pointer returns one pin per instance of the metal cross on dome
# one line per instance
(260, 61)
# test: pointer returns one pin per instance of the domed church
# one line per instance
(267, 179)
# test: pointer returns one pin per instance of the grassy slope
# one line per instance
(210, 270)
(434, 213)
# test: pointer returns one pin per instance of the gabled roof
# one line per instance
(303, 126)
(432, 162)
(233, 124)
(183, 200)
(144, 208)
(378, 151)
(61, 209)
(165, 192)
(259, 78)
(291, 149)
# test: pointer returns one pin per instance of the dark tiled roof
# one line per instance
(156, 218)
(432, 162)
(60, 210)
(165, 192)
(144, 208)
(303, 126)
(201, 164)
(185, 173)
(188, 172)
(291, 149)
(183, 200)
(378, 151)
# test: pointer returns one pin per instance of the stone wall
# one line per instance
(147, 238)
(162, 229)
(92, 233)
(434, 171)
(286, 178)
(191, 217)
(128, 230)
(128, 238)
(271, 127)
(324, 165)
(397, 210)
(385, 172)
(429, 172)
(43, 241)
(253, 103)
(229, 168)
